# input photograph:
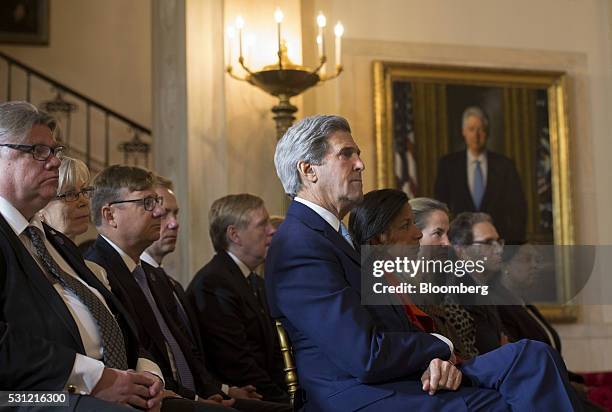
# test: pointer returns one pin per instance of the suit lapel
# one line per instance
(341, 243)
(32, 270)
(191, 315)
(242, 285)
(240, 282)
(121, 278)
(79, 266)
(162, 292)
(463, 181)
(493, 178)
(316, 222)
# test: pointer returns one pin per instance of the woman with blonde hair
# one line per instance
(69, 213)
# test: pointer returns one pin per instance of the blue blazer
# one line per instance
(345, 353)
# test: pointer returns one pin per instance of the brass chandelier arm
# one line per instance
(241, 61)
(230, 70)
(326, 77)
(322, 62)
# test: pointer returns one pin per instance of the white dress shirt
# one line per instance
(471, 169)
(243, 267)
(334, 222)
(87, 369)
(145, 257)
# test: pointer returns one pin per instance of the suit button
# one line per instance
(71, 389)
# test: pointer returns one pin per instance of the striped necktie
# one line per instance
(113, 345)
(182, 367)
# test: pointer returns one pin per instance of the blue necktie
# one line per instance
(479, 187)
(182, 367)
(346, 235)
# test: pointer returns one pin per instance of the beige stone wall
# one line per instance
(100, 48)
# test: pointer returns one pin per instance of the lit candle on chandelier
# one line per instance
(321, 22)
(338, 31)
(278, 16)
(240, 26)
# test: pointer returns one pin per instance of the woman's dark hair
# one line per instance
(375, 213)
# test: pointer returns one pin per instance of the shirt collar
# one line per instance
(471, 158)
(328, 216)
(16, 220)
(149, 259)
(129, 262)
(243, 267)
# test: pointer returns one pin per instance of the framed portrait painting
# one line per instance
(418, 112)
(24, 22)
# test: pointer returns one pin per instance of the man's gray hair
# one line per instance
(17, 119)
(305, 141)
(477, 112)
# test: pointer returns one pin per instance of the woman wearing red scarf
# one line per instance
(385, 218)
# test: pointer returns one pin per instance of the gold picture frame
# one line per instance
(385, 76)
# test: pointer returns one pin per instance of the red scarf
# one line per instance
(415, 315)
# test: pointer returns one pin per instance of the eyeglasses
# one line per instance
(40, 152)
(490, 242)
(73, 196)
(148, 202)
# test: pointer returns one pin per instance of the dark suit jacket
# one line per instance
(39, 338)
(124, 286)
(503, 198)
(343, 350)
(239, 337)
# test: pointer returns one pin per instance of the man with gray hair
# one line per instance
(479, 180)
(371, 358)
(60, 328)
(240, 337)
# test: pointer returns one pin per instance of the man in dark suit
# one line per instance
(479, 180)
(352, 357)
(60, 329)
(127, 213)
(230, 298)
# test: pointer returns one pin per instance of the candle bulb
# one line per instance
(338, 31)
(278, 16)
(240, 26)
(321, 22)
(231, 34)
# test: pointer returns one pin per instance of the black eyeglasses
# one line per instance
(73, 196)
(490, 242)
(148, 202)
(40, 152)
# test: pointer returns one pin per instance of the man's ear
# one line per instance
(108, 216)
(232, 234)
(307, 172)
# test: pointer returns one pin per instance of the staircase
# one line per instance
(91, 131)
